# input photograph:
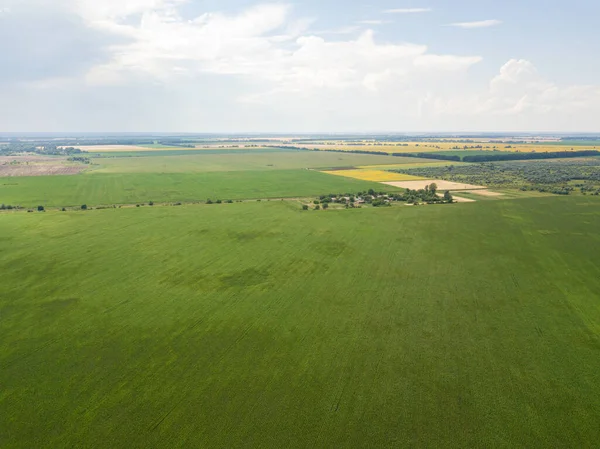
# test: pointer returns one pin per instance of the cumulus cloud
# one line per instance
(479, 24)
(105, 64)
(261, 42)
(520, 95)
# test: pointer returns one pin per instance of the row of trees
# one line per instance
(42, 149)
(494, 157)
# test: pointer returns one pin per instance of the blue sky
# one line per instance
(310, 66)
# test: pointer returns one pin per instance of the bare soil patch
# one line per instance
(460, 199)
(28, 158)
(35, 165)
(40, 170)
(442, 185)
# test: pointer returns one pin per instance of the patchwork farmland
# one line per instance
(226, 300)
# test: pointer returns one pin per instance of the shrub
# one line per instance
(209, 201)
(40, 208)
(304, 207)
(84, 207)
(151, 203)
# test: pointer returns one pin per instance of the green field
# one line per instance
(184, 152)
(244, 160)
(107, 189)
(259, 325)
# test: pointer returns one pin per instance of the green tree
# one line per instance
(40, 208)
(448, 196)
(325, 206)
(304, 207)
(84, 207)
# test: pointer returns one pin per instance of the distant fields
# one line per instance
(435, 147)
(107, 189)
(185, 152)
(260, 325)
(254, 160)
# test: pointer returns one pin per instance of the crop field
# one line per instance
(186, 152)
(261, 325)
(110, 148)
(108, 189)
(453, 147)
(373, 175)
(264, 160)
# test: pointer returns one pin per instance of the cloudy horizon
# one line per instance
(255, 67)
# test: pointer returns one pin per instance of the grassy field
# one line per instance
(184, 152)
(259, 325)
(254, 160)
(107, 189)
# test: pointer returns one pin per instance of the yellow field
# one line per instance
(373, 175)
(428, 147)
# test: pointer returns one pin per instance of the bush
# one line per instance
(151, 203)
(325, 206)
(219, 201)
(84, 207)
(63, 210)
(40, 209)
(304, 207)
(317, 207)
(209, 201)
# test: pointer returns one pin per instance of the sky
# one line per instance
(231, 66)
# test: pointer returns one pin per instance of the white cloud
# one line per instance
(480, 24)
(407, 10)
(262, 44)
(519, 92)
(262, 69)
